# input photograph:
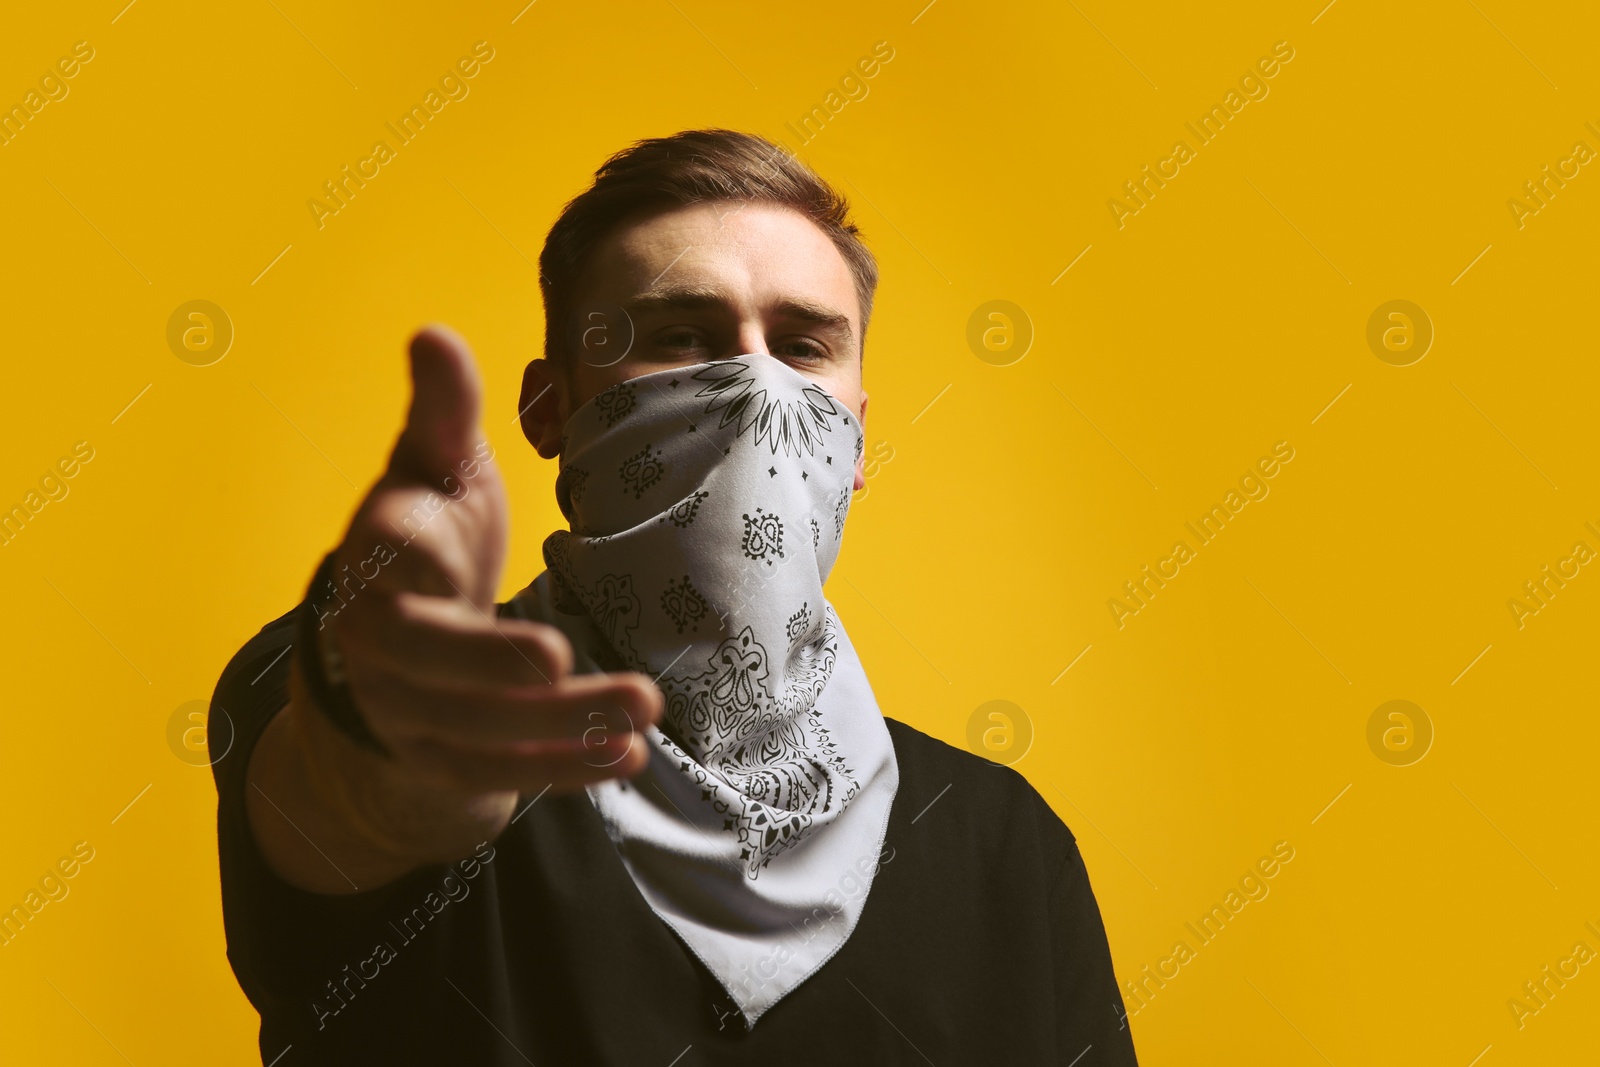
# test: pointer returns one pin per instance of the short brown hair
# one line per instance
(691, 167)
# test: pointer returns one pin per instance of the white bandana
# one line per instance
(707, 505)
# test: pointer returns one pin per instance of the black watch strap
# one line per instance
(321, 665)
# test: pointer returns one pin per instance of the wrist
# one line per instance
(320, 663)
(381, 802)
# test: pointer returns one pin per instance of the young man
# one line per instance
(648, 811)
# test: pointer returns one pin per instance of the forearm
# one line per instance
(329, 817)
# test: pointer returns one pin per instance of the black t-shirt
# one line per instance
(979, 943)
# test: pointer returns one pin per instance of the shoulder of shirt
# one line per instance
(989, 790)
(250, 690)
(529, 602)
(266, 647)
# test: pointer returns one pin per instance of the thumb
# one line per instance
(446, 397)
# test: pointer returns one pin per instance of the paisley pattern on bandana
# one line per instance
(615, 402)
(799, 622)
(683, 512)
(763, 536)
(683, 604)
(641, 471)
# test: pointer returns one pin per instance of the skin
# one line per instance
(479, 710)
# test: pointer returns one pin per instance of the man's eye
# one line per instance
(803, 348)
(679, 339)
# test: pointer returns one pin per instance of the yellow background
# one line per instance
(1224, 317)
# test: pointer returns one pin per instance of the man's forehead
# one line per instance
(722, 254)
(711, 221)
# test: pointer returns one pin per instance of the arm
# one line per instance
(1090, 1012)
(475, 709)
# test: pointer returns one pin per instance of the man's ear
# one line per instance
(861, 463)
(543, 406)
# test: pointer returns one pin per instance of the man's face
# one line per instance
(703, 282)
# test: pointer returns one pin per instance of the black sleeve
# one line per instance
(253, 688)
(1090, 1017)
(284, 943)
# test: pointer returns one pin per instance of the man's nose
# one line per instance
(751, 339)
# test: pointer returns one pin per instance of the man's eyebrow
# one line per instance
(697, 298)
(674, 298)
(818, 315)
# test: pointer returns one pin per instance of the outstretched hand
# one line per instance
(475, 708)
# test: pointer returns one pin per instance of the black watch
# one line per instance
(322, 666)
